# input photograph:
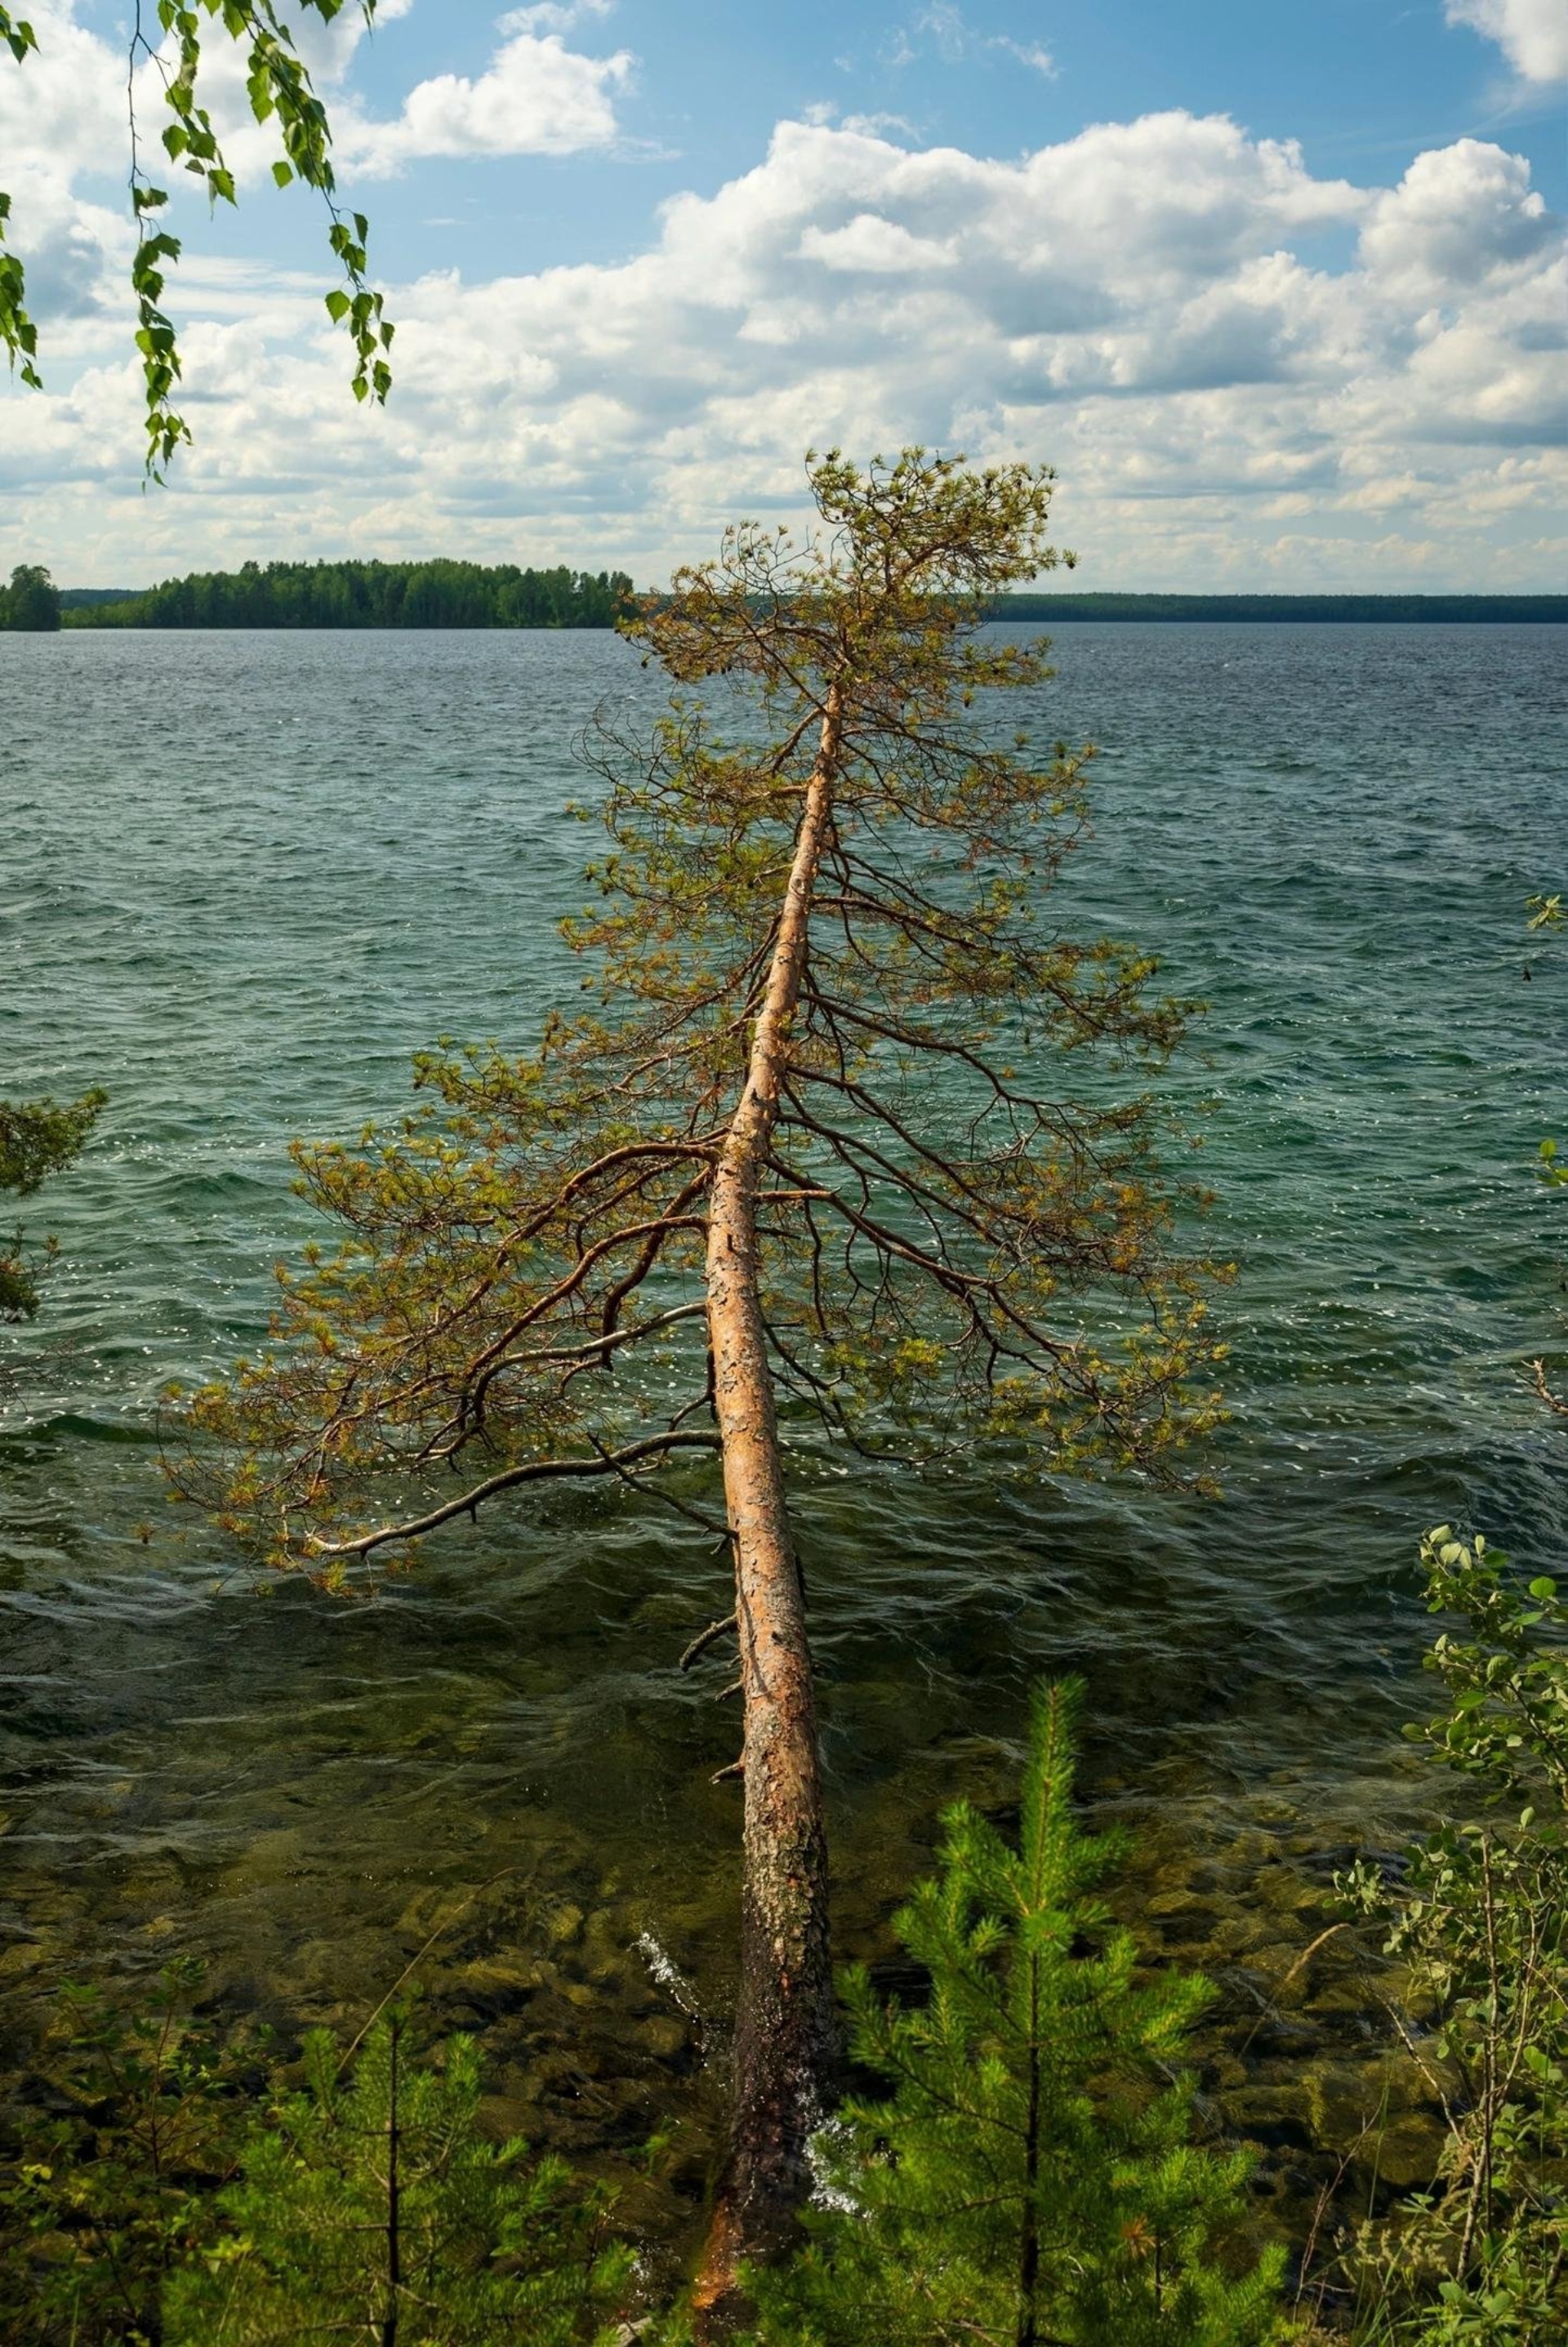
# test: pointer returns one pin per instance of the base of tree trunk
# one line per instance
(784, 2041)
(719, 2305)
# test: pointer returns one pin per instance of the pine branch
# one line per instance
(532, 1471)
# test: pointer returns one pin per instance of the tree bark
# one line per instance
(784, 2025)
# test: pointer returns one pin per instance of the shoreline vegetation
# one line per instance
(452, 594)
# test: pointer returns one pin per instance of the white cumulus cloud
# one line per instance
(1461, 215)
(536, 97)
(1534, 33)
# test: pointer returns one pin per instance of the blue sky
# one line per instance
(1364, 87)
(1279, 290)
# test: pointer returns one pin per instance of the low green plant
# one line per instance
(114, 2186)
(1034, 2178)
(370, 2208)
(1480, 1922)
(173, 2197)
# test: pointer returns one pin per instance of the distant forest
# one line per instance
(366, 595)
(1449, 610)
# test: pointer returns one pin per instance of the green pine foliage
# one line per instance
(1032, 2180)
(36, 1138)
(370, 2208)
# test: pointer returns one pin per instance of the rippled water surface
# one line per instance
(243, 877)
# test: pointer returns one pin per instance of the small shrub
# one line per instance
(1480, 1922)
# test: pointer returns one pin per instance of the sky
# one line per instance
(1280, 292)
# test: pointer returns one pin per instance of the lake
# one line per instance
(246, 875)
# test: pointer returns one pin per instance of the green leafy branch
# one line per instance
(17, 332)
(279, 87)
(279, 90)
(110, 2181)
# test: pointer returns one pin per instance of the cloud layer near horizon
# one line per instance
(1245, 374)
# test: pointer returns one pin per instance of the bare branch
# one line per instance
(532, 1471)
(706, 1638)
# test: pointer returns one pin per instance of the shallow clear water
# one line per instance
(243, 877)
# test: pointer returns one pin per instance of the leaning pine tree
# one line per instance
(793, 1168)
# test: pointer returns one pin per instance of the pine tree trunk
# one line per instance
(783, 2023)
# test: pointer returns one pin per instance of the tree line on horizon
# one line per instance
(447, 593)
(1343, 609)
(371, 594)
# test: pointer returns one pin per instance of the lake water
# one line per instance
(243, 877)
